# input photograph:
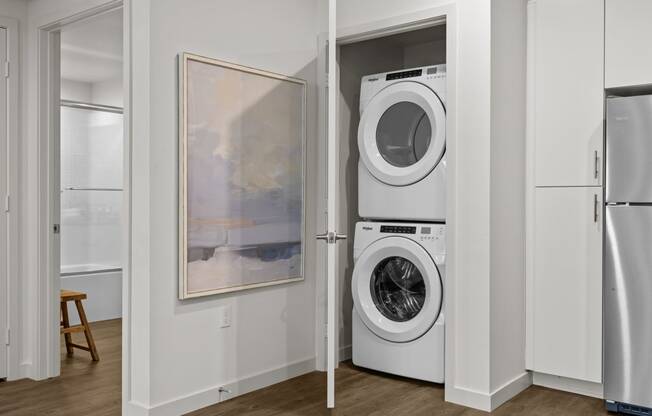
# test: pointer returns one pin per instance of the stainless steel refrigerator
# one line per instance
(628, 255)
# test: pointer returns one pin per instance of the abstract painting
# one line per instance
(241, 183)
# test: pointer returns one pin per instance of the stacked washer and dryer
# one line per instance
(399, 248)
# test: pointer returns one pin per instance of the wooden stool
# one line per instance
(66, 329)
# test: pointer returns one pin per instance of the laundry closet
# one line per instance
(399, 188)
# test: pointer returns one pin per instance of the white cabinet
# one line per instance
(566, 285)
(567, 71)
(628, 43)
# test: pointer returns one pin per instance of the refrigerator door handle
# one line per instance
(596, 166)
(595, 208)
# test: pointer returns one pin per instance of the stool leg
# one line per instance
(66, 324)
(87, 330)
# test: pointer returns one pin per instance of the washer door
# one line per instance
(397, 289)
(402, 133)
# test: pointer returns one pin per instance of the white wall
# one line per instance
(104, 292)
(188, 356)
(508, 58)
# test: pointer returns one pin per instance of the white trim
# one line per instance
(467, 397)
(47, 107)
(510, 389)
(14, 369)
(212, 395)
(489, 402)
(585, 388)
(136, 314)
(394, 25)
(346, 352)
(530, 160)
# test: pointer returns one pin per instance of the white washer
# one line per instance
(397, 288)
(402, 144)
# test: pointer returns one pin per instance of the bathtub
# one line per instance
(103, 286)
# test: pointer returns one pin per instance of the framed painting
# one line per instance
(242, 146)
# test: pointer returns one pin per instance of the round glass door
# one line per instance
(403, 134)
(398, 289)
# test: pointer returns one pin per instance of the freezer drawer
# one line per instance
(628, 305)
(629, 149)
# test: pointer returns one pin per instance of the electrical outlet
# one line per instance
(225, 316)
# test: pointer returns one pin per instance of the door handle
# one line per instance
(596, 168)
(595, 207)
(331, 237)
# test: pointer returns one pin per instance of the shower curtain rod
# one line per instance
(89, 106)
(72, 188)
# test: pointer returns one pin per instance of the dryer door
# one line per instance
(397, 289)
(402, 133)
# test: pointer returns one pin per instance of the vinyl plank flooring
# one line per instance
(87, 388)
(84, 387)
(363, 392)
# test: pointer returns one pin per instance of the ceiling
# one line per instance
(91, 50)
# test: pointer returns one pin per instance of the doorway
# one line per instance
(91, 178)
(396, 44)
(81, 125)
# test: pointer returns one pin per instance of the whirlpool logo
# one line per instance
(366, 227)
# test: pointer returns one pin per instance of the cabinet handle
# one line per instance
(596, 169)
(595, 207)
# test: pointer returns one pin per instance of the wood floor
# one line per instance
(87, 388)
(361, 392)
(84, 388)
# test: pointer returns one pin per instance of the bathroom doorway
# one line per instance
(91, 182)
(82, 208)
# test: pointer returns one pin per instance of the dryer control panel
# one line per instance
(398, 229)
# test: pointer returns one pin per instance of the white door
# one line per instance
(567, 283)
(4, 223)
(568, 92)
(330, 236)
(402, 133)
(396, 289)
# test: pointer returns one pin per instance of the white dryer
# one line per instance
(402, 144)
(398, 287)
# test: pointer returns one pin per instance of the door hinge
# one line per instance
(6, 69)
(7, 203)
(8, 337)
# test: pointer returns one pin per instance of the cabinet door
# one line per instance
(568, 92)
(628, 50)
(567, 283)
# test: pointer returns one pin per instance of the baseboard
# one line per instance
(134, 409)
(510, 389)
(26, 369)
(467, 397)
(488, 402)
(585, 388)
(212, 395)
(346, 353)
